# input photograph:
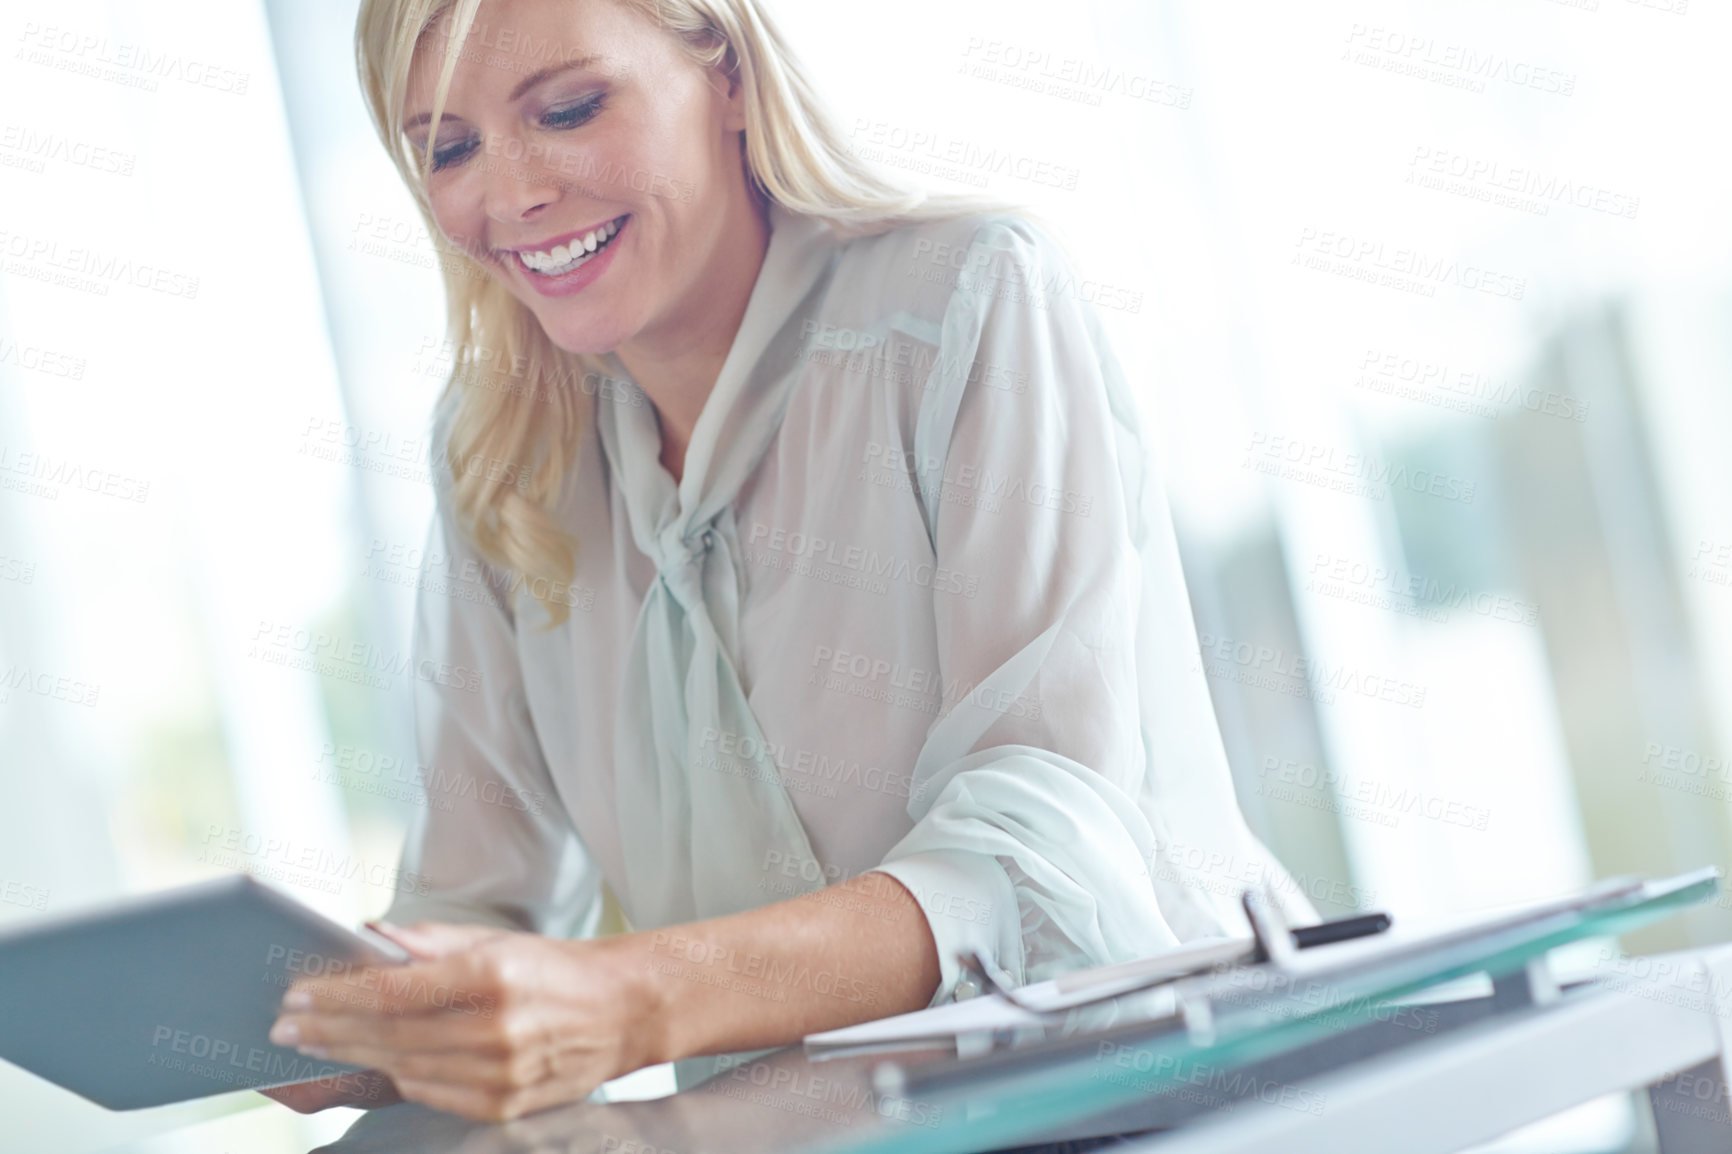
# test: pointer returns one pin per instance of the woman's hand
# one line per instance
(492, 1024)
(486, 1023)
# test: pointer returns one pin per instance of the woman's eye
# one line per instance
(452, 153)
(572, 115)
(564, 116)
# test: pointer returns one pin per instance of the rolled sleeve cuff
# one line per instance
(969, 904)
(407, 910)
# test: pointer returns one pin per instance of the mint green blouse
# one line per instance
(915, 606)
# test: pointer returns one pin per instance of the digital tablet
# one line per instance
(171, 996)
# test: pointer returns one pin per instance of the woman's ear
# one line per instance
(728, 73)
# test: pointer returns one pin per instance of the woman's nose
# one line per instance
(517, 184)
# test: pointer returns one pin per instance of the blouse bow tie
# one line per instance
(700, 803)
(680, 564)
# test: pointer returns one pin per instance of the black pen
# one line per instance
(1344, 930)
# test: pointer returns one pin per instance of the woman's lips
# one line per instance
(579, 278)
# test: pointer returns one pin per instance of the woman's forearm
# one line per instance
(848, 953)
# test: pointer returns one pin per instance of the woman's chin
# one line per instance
(592, 338)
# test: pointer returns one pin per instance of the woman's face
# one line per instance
(575, 118)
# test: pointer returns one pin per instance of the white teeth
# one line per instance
(563, 258)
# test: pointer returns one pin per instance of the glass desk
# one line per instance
(780, 1102)
(1256, 1036)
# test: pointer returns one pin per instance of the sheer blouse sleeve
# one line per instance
(493, 843)
(1031, 842)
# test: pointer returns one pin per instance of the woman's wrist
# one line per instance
(646, 1000)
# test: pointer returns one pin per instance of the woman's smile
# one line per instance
(570, 262)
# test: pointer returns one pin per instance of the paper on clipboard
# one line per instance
(982, 1015)
(1048, 1000)
(987, 1012)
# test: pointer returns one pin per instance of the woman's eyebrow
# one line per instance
(523, 85)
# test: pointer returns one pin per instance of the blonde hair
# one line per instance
(509, 449)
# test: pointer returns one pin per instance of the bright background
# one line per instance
(1551, 621)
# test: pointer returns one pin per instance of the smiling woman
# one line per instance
(676, 137)
(884, 653)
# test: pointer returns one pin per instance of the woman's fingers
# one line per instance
(494, 1083)
(493, 1103)
(493, 1070)
(447, 1030)
(455, 983)
(485, 1023)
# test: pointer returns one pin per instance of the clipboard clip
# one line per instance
(1272, 938)
(1272, 942)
